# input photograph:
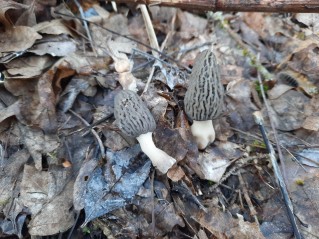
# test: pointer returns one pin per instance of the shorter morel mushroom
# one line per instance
(204, 98)
(134, 119)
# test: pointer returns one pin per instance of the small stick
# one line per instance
(252, 210)
(85, 25)
(280, 181)
(152, 38)
(93, 132)
(235, 5)
(129, 38)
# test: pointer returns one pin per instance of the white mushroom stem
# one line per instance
(203, 132)
(161, 160)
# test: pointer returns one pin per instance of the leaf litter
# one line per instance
(56, 85)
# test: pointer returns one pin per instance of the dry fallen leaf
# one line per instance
(5, 6)
(54, 27)
(288, 110)
(213, 162)
(48, 195)
(19, 38)
(28, 67)
(311, 20)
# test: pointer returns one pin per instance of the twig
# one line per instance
(252, 210)
(127, 37)
(272, 124)
(234, 169)
(280, 181)
(93, 132)
(114, 6)
(85, 25)
(236, 5)
(153, 41)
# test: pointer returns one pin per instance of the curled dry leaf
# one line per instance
(27, 18)
(278, 90)
(28, 67)
(19, 38)
(53, 27)
(5, 6)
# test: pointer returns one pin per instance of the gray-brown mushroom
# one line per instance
(204, 98)
(135, 120)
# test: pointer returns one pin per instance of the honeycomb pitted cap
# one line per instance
(132, 115)
(204, 98)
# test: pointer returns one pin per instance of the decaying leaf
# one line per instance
(19, 38)
(38, 143)
(288, 110)
(165, 216)
(54, 27)
(12, 167)
(156, 103)
(7, 5)
(278, 90)
(28, 67)
(311, 122)
(190, 24)
(211, 164)
(239, 104)
(48, 196)
(60, 48)
(308, 157)
(119, 184)
(311, 20)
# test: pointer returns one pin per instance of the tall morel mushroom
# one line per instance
(135, 120)
(204, 98)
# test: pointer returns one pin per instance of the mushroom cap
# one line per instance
(204, 98)
(132, 115)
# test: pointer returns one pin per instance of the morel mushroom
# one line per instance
(134, 119)
(204, 98)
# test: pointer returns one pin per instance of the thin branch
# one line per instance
(279, 178)
(93, 132)
(235, 5)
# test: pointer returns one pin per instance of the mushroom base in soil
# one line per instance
(161, 160)
(203, 132)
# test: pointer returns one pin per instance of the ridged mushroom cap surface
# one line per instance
(204, 98)
(132, 115)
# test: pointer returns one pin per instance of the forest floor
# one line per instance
(67, 171)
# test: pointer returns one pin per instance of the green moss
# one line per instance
(258, 144)
(300, 182)
(4, 202)
(86, 230)
(258, 88)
